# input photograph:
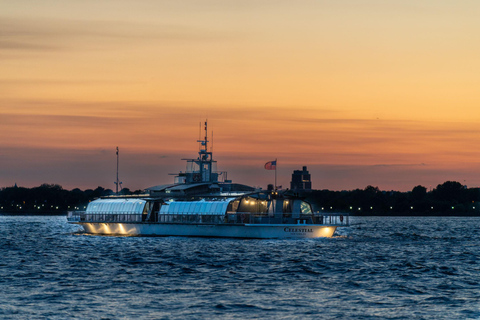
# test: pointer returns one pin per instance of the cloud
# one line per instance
(39, 35)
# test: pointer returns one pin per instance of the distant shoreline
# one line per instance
(63, 213)
(404, 214)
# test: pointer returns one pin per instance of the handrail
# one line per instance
(228, 218)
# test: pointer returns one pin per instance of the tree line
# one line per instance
(51, 198)
(449, 198)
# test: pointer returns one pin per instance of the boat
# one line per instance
(204, 203)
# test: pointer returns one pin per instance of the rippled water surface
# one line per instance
(380, 267)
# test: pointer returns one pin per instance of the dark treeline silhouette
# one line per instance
(449, 198)
(50, 198)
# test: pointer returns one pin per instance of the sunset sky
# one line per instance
(375, 92)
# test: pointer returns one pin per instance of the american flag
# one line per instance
(271, 165)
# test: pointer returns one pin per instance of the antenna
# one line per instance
(117, 183)
(206, 133)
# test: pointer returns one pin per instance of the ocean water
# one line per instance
(379, 268)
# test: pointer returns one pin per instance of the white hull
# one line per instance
(258, 231)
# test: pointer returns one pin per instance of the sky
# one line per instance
(374, 92)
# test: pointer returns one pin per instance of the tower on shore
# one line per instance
(301, 180)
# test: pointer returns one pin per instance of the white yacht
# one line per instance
(199, 204)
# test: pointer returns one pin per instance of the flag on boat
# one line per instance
(271, 165)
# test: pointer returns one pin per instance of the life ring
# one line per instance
(341, 218)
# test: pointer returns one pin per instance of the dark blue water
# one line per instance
(380, 268)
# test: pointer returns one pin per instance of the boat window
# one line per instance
(203, 208)
(287, 206)
(306, 208)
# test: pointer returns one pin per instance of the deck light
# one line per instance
(411, 208)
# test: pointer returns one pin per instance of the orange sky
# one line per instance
(381, 93)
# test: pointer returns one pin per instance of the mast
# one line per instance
(202, 169)
(117, 183)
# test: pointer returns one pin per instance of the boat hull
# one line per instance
(257, 231)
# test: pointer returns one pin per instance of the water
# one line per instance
(379, 268)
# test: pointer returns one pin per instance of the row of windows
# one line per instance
(112, 206)
(198, 207)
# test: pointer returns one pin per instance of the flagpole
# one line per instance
(275, 174)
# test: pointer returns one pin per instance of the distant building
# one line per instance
(301, 180)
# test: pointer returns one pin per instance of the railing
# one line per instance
(82, 216)
(332, 219)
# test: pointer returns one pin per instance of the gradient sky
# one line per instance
(375, 92)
